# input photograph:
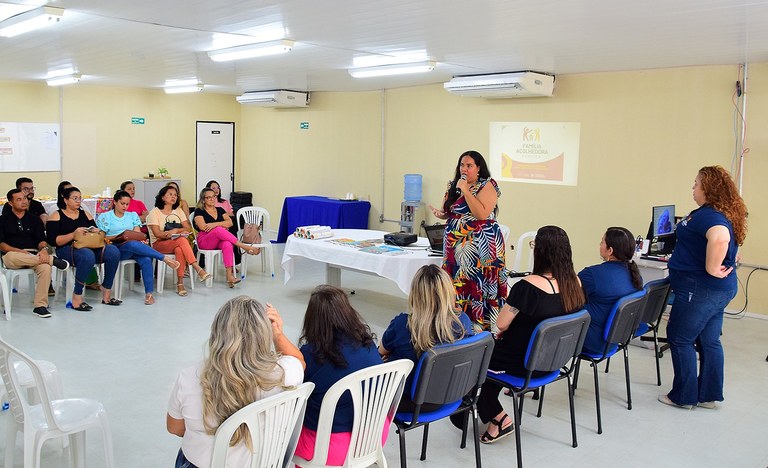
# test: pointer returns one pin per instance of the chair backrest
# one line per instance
(555, 341)
(252, 215)
(505, 231)
(657, 293)
(447, 372)
(376, 392)
(521, 247)
(19, 405)
(274, 424)
(624, 318)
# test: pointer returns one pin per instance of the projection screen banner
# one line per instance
(535, 152)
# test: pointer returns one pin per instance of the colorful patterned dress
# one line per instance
(474, 257)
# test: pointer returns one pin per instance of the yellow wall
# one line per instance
(643, 137)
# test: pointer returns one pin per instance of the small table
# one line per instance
(309, 210)
(398, 268)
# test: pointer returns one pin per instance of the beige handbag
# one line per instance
(89, 239)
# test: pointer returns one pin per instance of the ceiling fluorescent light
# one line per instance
(64, 79)
(30, 21)
(260, 49)
(396, 69)
(186, 88)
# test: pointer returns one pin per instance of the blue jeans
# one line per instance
(143, 255)
(695, 323)
(85, 259)
(182, 462)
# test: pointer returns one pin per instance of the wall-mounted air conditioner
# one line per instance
(275, 98)
(502, 85)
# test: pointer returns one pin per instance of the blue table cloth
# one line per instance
(308, 210)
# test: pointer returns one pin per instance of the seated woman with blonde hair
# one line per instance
(432, 319)
(248, 359)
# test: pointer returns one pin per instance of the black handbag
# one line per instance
(172, 224)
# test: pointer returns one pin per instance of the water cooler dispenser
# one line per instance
(412, 211)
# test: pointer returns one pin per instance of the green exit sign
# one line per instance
(137, 120)
(304, 125)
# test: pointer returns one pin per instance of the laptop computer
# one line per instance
(435, 235)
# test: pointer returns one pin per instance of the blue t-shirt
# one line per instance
(690, 254)
(325, 375)
(603, 284)
(397, 340)
(112, 225)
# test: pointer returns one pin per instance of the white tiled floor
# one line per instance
(127, 357)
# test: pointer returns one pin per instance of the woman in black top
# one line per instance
(552, 290)
(213, 224)
(61, 228)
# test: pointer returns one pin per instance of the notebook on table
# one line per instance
(435, 235)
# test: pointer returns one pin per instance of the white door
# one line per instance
(215, 156)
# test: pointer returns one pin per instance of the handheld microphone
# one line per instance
(463, 177)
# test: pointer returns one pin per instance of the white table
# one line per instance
(652, 269)
(398, 268)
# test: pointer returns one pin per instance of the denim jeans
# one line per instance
(695, 323)
(143, 255)
(85, 259)
(182, 462)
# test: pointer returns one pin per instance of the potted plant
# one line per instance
(162, 172)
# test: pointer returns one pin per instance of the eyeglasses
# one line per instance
(209, 197)
(76, 198)
(27, 189)
(532, 244)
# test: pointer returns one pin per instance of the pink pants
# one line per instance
(338, 446)
(219, 238)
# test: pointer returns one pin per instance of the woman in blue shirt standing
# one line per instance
(117, 221)
(702, 278)
(606, 283)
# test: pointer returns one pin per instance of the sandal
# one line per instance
(180, 290)
(112, 302)
(486, 438)
(172, 263)
(203, 275)
(149, 299)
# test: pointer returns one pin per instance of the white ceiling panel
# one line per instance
(144, 43)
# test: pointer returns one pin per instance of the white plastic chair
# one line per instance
(273, 423)
(210, 255)
(117, 288)
(260, 216)
(504, 233)
(522, 246)
(48, 419)
(9, 279)
(376, 392)
(161, 270)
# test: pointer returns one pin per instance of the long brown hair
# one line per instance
(722, 195)
(552, 254)
(328, 320)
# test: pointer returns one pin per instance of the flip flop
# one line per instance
(83, 307)
(112, 302)
(486, 438)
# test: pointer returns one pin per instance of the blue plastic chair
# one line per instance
(449, 375)
(553, 348)
(657, 295)
(620, 328)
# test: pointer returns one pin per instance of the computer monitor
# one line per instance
(663, 220)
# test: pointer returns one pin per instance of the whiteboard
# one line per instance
(30, 147)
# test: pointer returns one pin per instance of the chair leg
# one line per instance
(11, 430)
(517, 429)
(626, 376)
(424, 439)
(476, 429)
(401, 434)
(77, 450)
(106, 435)
(573, 412)
(597, 400)
(576, 374)
(464, 431)
(541, 401)
(607, 364)
(656, 355)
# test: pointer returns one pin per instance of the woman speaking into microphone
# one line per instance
(473, 246)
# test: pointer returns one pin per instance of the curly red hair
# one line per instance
(722, 195)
